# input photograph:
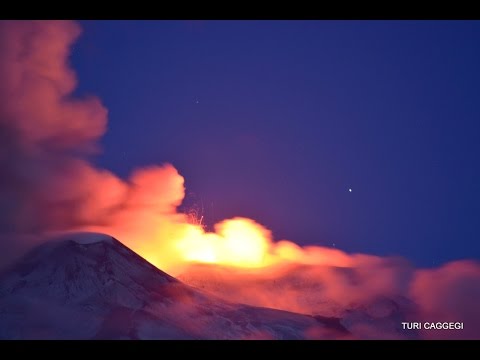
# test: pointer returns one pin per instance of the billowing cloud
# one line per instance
(450, 293)
(47, 185)
(36, 87)
(43, 128)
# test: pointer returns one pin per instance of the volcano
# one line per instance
(91, 286)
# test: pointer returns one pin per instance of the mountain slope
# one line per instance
(301, 289)
(90, 286)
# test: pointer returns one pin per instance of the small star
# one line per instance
(349, 190)
(196, 101)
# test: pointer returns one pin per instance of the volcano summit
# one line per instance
(90, 286)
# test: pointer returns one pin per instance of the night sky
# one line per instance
(277, 120)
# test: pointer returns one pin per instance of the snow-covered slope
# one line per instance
(296, 288)
(87, 286)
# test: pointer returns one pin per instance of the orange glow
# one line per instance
(56, 128)
(148, 222)
(171, 241)
(236, 242)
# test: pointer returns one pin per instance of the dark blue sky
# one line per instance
(290, 115)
